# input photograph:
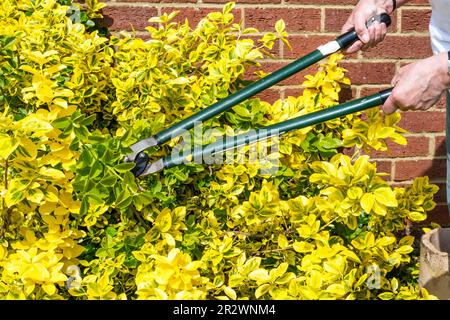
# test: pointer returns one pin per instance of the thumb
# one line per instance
(354, 47)
(389, 105)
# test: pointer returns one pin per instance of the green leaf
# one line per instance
(8, 41)
(89, 120)
(122, 198)
(108, 181)
(96, 170)
(111, 231)
(124, 167)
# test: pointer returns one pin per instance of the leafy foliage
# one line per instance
(76, 223)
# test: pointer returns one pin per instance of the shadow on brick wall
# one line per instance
(441, 213)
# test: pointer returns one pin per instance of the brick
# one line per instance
(347, 93)
(269, 95)
(441, 104)
(275, 51)
(296, 19)
(297, 92)
(440, 148)
(418, 2)
(384, 167)
(127, 18)
(160, 1)
(244, 1)
(335, 19)
(410, 169)
(369, 72)
(439, 215)
(415, 20)
(441, 195)
(324, 2)
(271, 66)
(401, 47)
(194, 15)
(417, 146)
(304, 44)
(423, 121)
(367, 91)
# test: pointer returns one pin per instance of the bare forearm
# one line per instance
(388, 5)
(401, 2)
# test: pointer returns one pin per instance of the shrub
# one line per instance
(76, 223)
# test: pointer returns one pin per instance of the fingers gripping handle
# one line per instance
(351, 36)
(384, 95)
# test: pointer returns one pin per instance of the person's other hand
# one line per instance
(419, 85)
(375, 33)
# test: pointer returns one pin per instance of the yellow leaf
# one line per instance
(73, 252)
(379, 209)
(367, 202)
(60, 103)
(37, 272)
(32, 124)
(29, 289)
(280, 270)
(405, 249)
(169, 239)
(386, 296)
(49, 288)
(47, 208)
(262, 290)
(28, 148)
(338, 290)
(164, 220)
(29, 69)
(307, 293)
(7, 145)
(385, 241)
(52, 173)
(282, 241)
(386, 196)
(416, 216)
(280, 26)
(230, 293)
(35, 195)
(44, 92)
(259, 275)
(303, 246)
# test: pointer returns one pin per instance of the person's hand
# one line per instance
(376, 32)
(419, 85)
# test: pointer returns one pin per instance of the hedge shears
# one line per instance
(141, 159)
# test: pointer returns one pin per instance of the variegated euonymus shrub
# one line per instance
(75, 223)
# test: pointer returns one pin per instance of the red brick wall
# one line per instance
(314, 22)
